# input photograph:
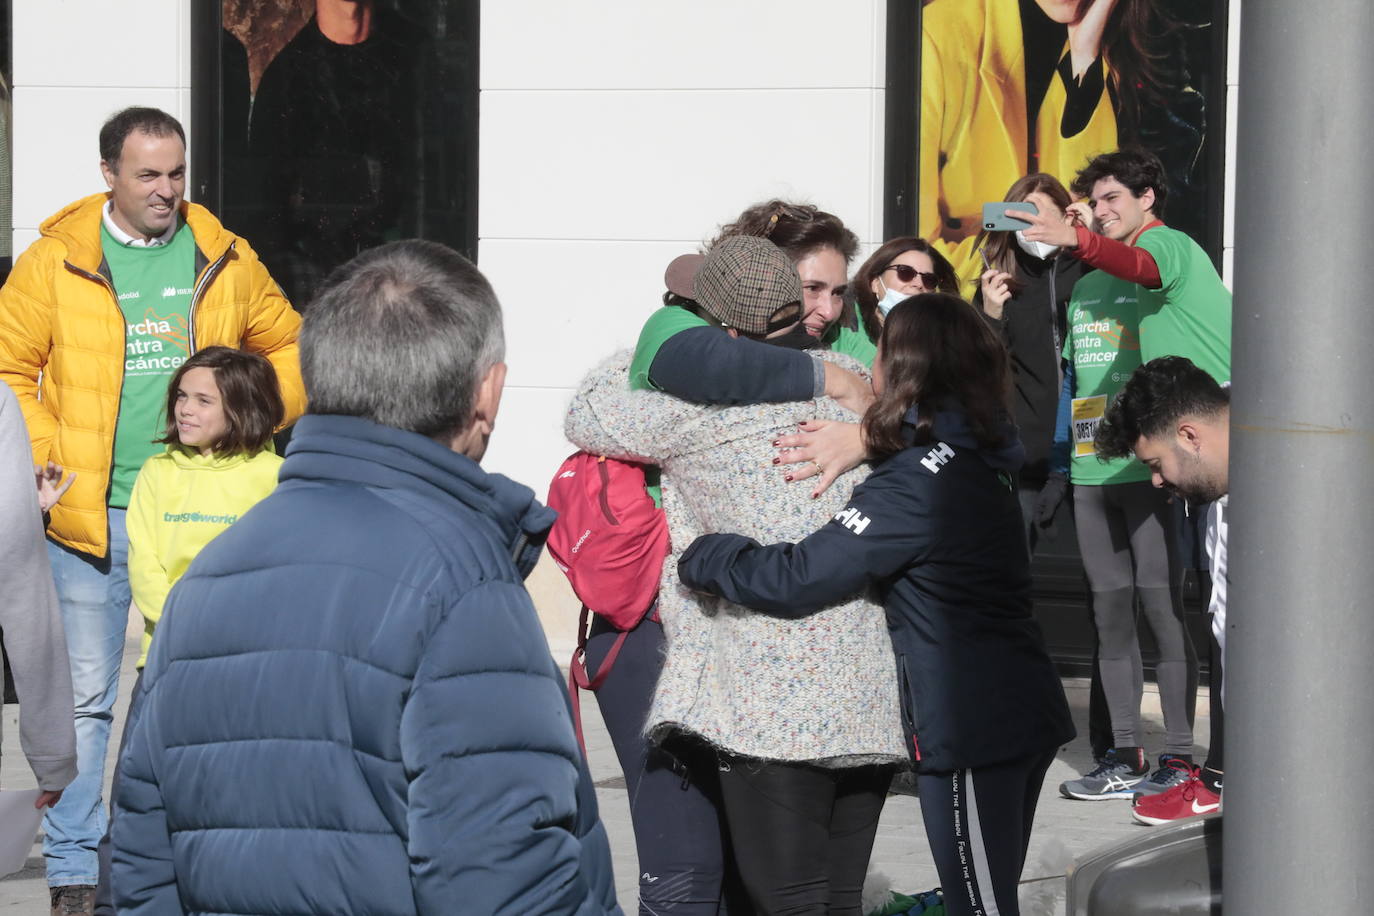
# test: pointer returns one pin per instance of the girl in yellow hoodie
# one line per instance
(222, 405)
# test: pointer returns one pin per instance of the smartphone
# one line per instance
(995, 217)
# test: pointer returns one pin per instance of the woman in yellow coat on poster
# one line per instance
(1006, 91)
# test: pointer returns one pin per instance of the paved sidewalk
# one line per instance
(1063, 828)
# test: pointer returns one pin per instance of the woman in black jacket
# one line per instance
(1024, 294)
(937, 530)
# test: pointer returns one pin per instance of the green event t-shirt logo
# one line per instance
(157, 344)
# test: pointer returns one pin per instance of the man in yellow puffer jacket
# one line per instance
(95, 317)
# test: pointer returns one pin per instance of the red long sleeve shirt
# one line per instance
(1119, 259)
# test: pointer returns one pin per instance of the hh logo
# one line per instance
(853, 519)
(567, 474)
(937, 457)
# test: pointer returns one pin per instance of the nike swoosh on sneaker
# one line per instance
(1203, 809)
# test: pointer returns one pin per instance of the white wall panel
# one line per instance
(98, 42)
(633, 44)
(527, 444)
(56, 143)
(21, 239)
(569, 304)
(663, 165)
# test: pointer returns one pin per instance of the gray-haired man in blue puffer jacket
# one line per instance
(350, 706)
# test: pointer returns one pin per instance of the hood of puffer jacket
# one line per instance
(77, 227)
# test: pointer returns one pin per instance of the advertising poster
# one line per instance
(1009, 87)
(345, 124)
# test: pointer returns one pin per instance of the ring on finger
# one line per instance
(819, 469)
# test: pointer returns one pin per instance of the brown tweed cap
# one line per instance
(744, 280)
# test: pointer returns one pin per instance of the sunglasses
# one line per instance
(906, 274)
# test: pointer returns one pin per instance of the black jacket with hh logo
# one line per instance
(937, 530)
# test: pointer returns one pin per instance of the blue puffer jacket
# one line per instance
(350, 706)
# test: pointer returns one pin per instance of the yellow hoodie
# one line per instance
(181, 501)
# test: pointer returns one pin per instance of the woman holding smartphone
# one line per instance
(1024, 293)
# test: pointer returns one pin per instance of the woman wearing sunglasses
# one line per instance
(900, 269)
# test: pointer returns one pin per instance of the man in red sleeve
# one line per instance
(1184, 309)
(1154, 289)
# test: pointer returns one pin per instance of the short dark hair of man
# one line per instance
(1135, 168)
(248, 394)
(151, 121)
(1156, 397)
(402, 335)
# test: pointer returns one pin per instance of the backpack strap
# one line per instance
(577, 672)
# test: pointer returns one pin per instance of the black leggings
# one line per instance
(1126, 535)
(978, 822)
(802, 834)
(674, 796)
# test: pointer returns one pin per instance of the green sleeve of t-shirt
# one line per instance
(854, 342)
(662, 324)
(1169, 248)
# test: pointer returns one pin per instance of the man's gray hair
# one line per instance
(402, 335)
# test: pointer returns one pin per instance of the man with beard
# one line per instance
(1177, 420)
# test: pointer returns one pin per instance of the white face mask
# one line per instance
(1041, 250)
(890, 299)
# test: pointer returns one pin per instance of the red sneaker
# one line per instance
(1187, 799)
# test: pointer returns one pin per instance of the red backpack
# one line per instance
(610, 541)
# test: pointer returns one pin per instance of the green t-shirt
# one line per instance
(669, 320)
(153, 286)
(854, 342)
(1190, 315)
(1103, 344)
(662, 324)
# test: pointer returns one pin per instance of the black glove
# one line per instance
(1051, 495)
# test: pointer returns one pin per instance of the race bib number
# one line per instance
(1087, 416)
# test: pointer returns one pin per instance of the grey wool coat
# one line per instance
(822, 689)
(30, 614)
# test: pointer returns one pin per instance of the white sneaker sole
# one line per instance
(1126, 792)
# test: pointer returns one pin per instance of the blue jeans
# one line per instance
(94, 594)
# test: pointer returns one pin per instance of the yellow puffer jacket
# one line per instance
(60, 322)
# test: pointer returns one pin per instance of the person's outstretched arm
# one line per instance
(884, 529)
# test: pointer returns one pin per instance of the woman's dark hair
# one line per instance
(248, 393)
(1000, 247)
(798, 229)
(937, 353)
(1141, 43)
(946, 280)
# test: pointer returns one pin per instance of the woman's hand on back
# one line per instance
(823, 449)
